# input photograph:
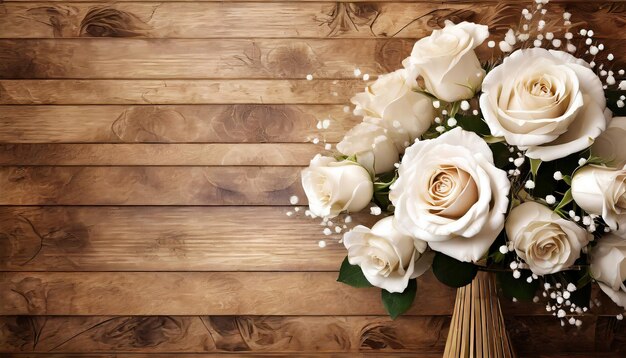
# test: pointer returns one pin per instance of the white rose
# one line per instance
(608, 267)
(388, 258)
(547, 242)
(450, 194)
(373, 149)
(332, 187)
(547, 102)
(447, 62)
(611, 144)
(391, 102)
(601, 191)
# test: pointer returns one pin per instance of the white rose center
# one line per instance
(542, 87)
(451, 192)
(548, 242)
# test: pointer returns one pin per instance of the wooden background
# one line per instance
(148, 153)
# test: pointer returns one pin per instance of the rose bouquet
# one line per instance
(514, 165)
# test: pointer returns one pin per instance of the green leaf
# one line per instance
(352, 275)
(398, 303)
(473, 124)
(518, 288)
(452, 272)
(534, 166)
(567, 179)
(385, 180)
(491, 139)
(567, 198)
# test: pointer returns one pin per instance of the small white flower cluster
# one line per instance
(446, 119)
(560, 305)
(330, 228)
(518, 159)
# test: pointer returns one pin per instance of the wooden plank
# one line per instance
(159, 154)
(178, 91)
(221, 293)
(202, 293)
(240, 334)
(200, 59)
(166, 239)
(172, 124)
(149, 185)
(125, 58)
(284, 334)
(289, 19)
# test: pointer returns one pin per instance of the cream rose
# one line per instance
(611, 144)
(450, 194)
(392, 102)
(332, 187)
(608, 267)
(373, 149)
(601, 191)
(547, 242)
(547, 102)
(388, 258)
(447, 62)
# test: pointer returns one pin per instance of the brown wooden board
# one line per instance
(288, 19)
(237, 123)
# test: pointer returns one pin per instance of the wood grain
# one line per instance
(149, 185)
(218, 293)
(125, 58)
(178, 91)
(159, 154)
(196, 59)
(289, 19)
(172, 124)
(223, 334)
(257, 334)
(202, 293)
(165, 239)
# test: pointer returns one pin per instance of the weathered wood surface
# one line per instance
(258, 334)
(289, 19)
(188, 58)
(269, 154)
(131, 58)
(53, 185)
(145, 177)
(201, 293)
(178, 91)
(164, 239)
(234, 123)
(222, 293)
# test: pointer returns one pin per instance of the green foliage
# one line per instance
(384, 181)
(567, 198)
(518, 288)
(534, 166)
(473, 124)
(398, 303)
(352, 275)
(452, 272)
(544, 180)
